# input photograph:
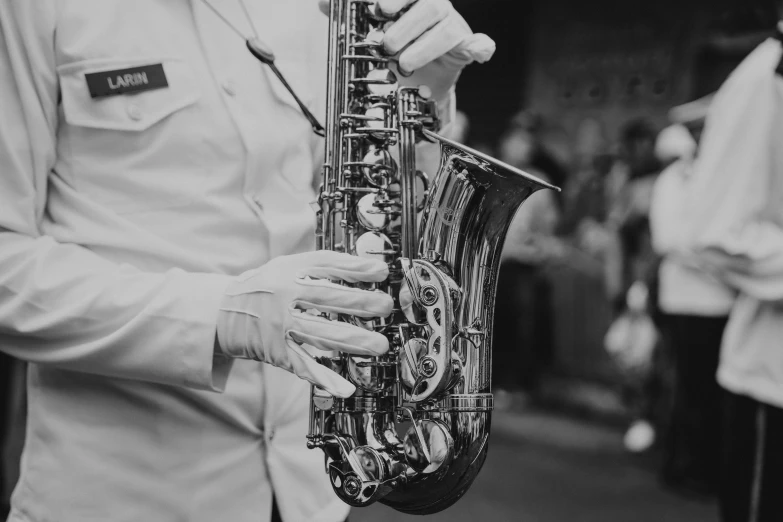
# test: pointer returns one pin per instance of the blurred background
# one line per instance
(577, 93)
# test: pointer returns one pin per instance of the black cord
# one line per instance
(266, 56)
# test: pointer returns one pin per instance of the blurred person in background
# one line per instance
(624, 242)
(734, 230)
(622, 238)
(587, 201)
(629, 190)
(523, 342)
(534, 155)
(694, 307)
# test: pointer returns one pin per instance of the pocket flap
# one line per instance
(129, 112)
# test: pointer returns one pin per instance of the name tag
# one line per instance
(125, 81)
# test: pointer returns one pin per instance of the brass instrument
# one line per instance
(414, 435)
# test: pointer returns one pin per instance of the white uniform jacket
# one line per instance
(734, 220)
(682, 289)
(125, 204)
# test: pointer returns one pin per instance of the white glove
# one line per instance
(432, 40)
(263, 314)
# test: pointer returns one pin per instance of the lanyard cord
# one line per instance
(265, 55)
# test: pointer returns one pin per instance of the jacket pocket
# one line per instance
(135, 152)
(126, 112)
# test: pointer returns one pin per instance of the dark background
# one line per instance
(610, 59)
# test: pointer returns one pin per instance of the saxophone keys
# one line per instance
(413, 351)
(428, 367)
(379, 167)
(374, 245)
(322, 400)
(369, 375)
(424, 92)
(414, 313)
(428, 295)
(373, 41)
(382, 82)
(358, 479)
(370, 216)
(428, 446)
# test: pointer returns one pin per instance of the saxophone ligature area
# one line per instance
(415, 434)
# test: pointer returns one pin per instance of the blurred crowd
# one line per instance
(616, 216)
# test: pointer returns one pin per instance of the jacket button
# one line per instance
(134, 111)
(230, 88)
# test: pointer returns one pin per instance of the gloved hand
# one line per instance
(432, 41)
(264, 315)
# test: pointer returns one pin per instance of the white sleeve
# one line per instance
(666, 209)
(733, 223)
(61, 304)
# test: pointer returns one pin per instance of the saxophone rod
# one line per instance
(408, 188)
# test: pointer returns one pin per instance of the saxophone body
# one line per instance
(415, 434)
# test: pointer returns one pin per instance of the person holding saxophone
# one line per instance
(155, 247)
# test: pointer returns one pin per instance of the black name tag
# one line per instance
(124, 81)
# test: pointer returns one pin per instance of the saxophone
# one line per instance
(415, 434)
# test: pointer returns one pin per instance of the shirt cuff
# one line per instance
(201, 295)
